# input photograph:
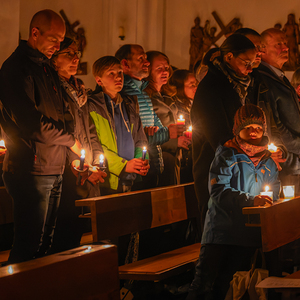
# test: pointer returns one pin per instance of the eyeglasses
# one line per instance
(248, 64)
(71, 54)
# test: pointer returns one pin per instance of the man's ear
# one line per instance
(98, 80)
(228, 57)
(35, 33)
(125, 65)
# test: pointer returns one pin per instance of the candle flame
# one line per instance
(2, 144)
(190, 128)
(181, 117)
(101, 157)
(144, 148)
(267, 188)
(10, 270)
(82, 153)
(272, 147)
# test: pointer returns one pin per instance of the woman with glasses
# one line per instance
(220, 93)
(69, 227)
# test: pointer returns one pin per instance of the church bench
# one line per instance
(120, 214)
(86, 272)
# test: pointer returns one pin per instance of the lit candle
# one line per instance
(188, 133)
(82, 157)
(288, 191)
(144, 153)
(272, 148)
(101, 164)
(181, 120)
(267, 192)
(2, 144)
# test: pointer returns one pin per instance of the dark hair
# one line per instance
(124, 52)
(236, 44)
(166, 89)
(247, 31)
(178, 78)
(104, 63)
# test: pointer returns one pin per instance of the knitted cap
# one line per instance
(246, 115)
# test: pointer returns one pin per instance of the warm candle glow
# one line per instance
(181, 120)
(82, 153)
(272, 148)
(267, 188)
(144, 153)
(101, 157)
(2, 144)
(10, 270)
(190, 128)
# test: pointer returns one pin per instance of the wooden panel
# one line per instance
(162, 266)
(168, 206)
(72, 274)
(280, 223)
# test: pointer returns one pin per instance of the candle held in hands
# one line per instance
(181, 120)
(272, 148)
(144, 153)
(267, 192)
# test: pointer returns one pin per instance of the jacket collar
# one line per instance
(35, 55)
(129, 81)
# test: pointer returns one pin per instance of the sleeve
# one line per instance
(219, 185)
(209, 108)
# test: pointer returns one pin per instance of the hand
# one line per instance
(262, 200)
(277, 157)
(76, 148)
(138, 166)
(75, 170)
(150, 130)
(96, 176)
(176, 130)
(184, 142)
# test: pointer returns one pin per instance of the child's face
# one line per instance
(252, 134)
(112, 80)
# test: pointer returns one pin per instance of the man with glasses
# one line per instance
(32, 117)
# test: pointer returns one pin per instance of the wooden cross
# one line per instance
(224, 29)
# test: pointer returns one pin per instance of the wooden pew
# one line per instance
(87, 272)
(120, 214)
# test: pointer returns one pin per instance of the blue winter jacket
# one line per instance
(234, 181)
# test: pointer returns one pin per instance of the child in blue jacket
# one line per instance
(239, 172)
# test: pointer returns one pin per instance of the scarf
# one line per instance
(240, 84)
(255, 152)
(76, 89)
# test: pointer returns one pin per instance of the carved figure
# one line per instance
(291, 30)
(196, 42)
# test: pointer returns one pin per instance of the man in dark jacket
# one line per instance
(282, 99)
(32, 117)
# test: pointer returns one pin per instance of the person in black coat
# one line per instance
(221, 92)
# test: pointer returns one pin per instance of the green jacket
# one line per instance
(106, 132)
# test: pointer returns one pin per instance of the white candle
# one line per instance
(144, 153)
(288, 191)
(267, 192)
(272, 148)
(101, 163)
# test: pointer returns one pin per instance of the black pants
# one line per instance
(215, 269)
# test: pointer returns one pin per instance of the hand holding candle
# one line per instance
(267, 192)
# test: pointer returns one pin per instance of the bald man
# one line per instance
(32, 117)
(282, 99)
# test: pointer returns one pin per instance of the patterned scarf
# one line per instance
(255, 152)
(76, 90)
(240, 84)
